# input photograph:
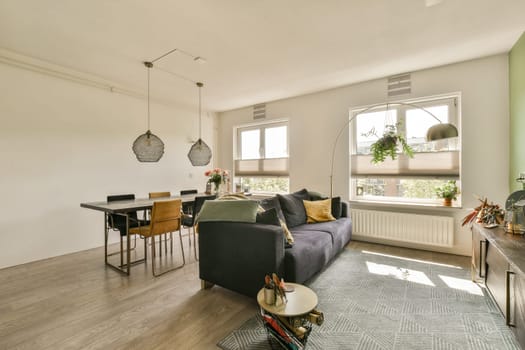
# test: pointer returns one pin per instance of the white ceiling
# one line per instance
(256, 51)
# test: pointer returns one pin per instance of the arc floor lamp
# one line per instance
(436, 132)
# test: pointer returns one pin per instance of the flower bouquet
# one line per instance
(217, 176)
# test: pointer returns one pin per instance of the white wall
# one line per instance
(315, 120)
(63, 143)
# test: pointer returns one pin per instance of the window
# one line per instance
(261, 163)
(409, 180)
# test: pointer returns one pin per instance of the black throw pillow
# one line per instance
(336, 207)
(272, 202)
(268, 217)
(293, 207)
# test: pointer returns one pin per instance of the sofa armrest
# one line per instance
(237, 255)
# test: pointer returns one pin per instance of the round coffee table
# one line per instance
(300, 302)
(295, 315)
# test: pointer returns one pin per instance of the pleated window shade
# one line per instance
(424, 164)
(262, 167)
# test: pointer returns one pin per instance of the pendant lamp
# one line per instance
(148, 147)
(200, 153)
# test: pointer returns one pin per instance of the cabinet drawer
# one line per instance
(497, 266)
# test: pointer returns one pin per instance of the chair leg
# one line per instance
(153, 255)
(171, 243)
(166, 243)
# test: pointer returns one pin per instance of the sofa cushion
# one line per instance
(310, 253)
(273, 202)
(238, 211)
(340, 232)
(293, 207)
(318, 211)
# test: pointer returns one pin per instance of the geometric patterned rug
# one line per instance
(373, 301)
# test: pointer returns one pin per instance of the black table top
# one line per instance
(126, 206)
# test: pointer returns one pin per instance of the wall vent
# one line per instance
(399, 85)
(259, 111)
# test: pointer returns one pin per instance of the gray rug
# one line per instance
(374, 302)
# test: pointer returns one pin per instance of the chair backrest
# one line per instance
(165, 216)
(197, 205)
(183, 192)
(159, 194)
(118, 222)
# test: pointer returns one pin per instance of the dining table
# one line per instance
(124, 208)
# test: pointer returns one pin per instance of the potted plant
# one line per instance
(448, 191)
(388, 145)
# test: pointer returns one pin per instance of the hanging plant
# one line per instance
(388, 144)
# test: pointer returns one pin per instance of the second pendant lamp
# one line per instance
(200, 152)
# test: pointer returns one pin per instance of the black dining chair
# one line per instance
(188, 221)
(117, 222)
(186, 207)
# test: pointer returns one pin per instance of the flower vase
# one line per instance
(217, 188)
(447, 202)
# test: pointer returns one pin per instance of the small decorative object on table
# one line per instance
(487, 214)
(274, 290)
(217, 176)
(448, 192)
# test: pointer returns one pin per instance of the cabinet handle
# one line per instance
(481, 264)
(507, 298)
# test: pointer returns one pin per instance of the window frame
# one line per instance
(261, 160)
(453, 100)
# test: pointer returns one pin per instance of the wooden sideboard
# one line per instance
(498, 260)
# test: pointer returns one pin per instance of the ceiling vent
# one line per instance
(399, 85)
(259, 111)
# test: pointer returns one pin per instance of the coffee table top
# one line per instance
(301, 301)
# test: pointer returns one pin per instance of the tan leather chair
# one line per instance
(166, 194)
(165, 217)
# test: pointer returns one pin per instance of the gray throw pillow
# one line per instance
(268, 217)
(293, 207)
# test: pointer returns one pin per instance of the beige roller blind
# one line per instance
(262, 167)
(424, 164)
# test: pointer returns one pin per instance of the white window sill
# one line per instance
(361, 203)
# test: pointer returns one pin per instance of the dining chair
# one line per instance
(186, 207)
(117, 222)
(188, 221)
(165, 217)
(153, 195)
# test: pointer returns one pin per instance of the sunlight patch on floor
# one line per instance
(410, 259)
(399, 273)
(462, 284)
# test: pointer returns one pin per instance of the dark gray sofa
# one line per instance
(237, 255)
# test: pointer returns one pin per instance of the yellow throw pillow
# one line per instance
(318, 211)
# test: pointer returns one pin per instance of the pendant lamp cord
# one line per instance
(199, 85)
(148, 98)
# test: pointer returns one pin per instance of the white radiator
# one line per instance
(413, 228)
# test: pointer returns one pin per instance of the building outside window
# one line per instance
(261, 158)
(408, 180)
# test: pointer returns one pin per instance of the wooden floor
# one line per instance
(75, 302)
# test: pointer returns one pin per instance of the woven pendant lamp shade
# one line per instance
(199, 154)
(148, 147)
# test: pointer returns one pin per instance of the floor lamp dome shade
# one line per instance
(148, 147)
(200, 152)
(441, 131)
